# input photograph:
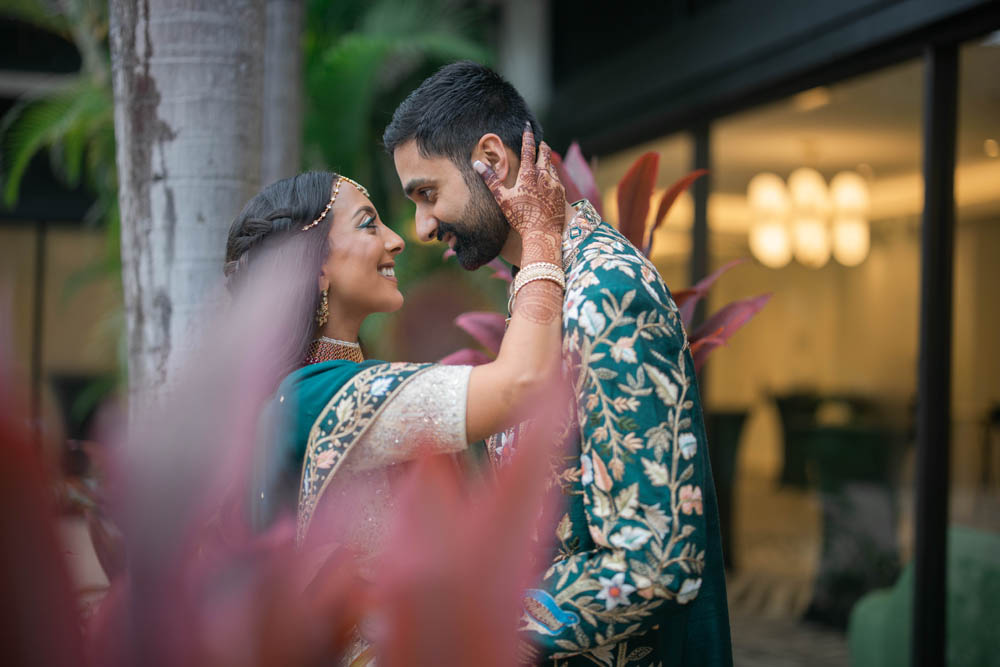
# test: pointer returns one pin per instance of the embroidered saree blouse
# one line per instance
(341, 426)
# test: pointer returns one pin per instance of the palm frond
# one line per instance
(62, 122)
(39, 13)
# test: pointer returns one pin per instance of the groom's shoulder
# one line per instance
(606, 260)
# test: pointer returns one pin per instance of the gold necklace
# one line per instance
(327, 349)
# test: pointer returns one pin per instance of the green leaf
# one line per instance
(627, 500)
(656, 472)
(37, 14)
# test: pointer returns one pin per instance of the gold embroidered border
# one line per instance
(344, 433)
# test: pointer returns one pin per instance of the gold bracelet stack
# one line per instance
(536, 271)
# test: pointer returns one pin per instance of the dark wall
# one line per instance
(652, 71)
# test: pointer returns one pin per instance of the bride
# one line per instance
(337, 422)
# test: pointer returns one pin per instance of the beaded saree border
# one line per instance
(340, 424)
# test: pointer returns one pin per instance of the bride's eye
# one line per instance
(367, 223)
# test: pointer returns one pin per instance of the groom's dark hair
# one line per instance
(456, 106)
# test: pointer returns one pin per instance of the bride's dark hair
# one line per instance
(266, 241)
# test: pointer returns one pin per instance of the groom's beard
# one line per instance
(482, 232)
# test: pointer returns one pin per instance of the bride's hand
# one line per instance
(537, 201)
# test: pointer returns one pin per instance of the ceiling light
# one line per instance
(768, 197)
(809, 194)
(811, 241)
(770, 244)
(991, 147)
(814, 98)
(851, 240)
(849, 194)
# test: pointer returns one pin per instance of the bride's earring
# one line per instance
(323, 312)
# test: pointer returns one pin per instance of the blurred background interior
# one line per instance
(810, 117)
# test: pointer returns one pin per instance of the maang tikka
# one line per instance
(336, 190)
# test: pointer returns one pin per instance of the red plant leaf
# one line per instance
(721, 326)
(667, 201)
(573, 192)
(500, 270)
(109, 545)
(582, 176)
(634, 191)
(39, 612)
(435, 607)
(688, 299)
(486, 327)
(466, 357)
(701, 354)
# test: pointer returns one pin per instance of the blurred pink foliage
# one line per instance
(193, 584)
(635, 191)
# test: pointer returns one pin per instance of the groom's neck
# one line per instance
(511, 251)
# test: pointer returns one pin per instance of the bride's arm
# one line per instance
(529, 359)
(446, 407)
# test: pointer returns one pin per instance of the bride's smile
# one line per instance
(360, 270)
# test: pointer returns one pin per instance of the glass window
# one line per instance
(975, 497)
(813, 400)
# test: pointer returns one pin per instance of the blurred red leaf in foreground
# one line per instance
(39, 621)
(199, 587)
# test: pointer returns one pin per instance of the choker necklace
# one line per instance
(327, 349)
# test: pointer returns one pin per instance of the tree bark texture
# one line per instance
(187, 77)
(281, 110)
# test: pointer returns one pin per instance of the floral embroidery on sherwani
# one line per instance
(340, 424)
(636, 538)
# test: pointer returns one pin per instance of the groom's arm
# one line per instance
(643, 459)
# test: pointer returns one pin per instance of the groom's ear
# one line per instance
(490, 150)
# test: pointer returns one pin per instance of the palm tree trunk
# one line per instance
(281, 112)
(187, 76)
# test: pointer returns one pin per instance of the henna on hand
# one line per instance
(537, 201)
(540, 246)
(539, 302)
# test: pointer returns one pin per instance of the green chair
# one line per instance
(879, 630)
(853, 468)
(797, 412)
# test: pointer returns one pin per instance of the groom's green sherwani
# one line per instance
(638, 578)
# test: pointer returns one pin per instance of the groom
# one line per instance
(638, 578)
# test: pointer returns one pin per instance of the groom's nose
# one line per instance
(427, 226)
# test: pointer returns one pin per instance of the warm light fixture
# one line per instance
(808, 220)
(770, 244)
(810, 211)
(769, 204)
(814, 98)
(811, 241)
(851, 240)
(991, 148)
(851, 235)
(768, 197)
(849, 194)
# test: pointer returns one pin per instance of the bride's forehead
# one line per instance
(349, 199)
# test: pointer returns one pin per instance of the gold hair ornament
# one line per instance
(336, 190)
